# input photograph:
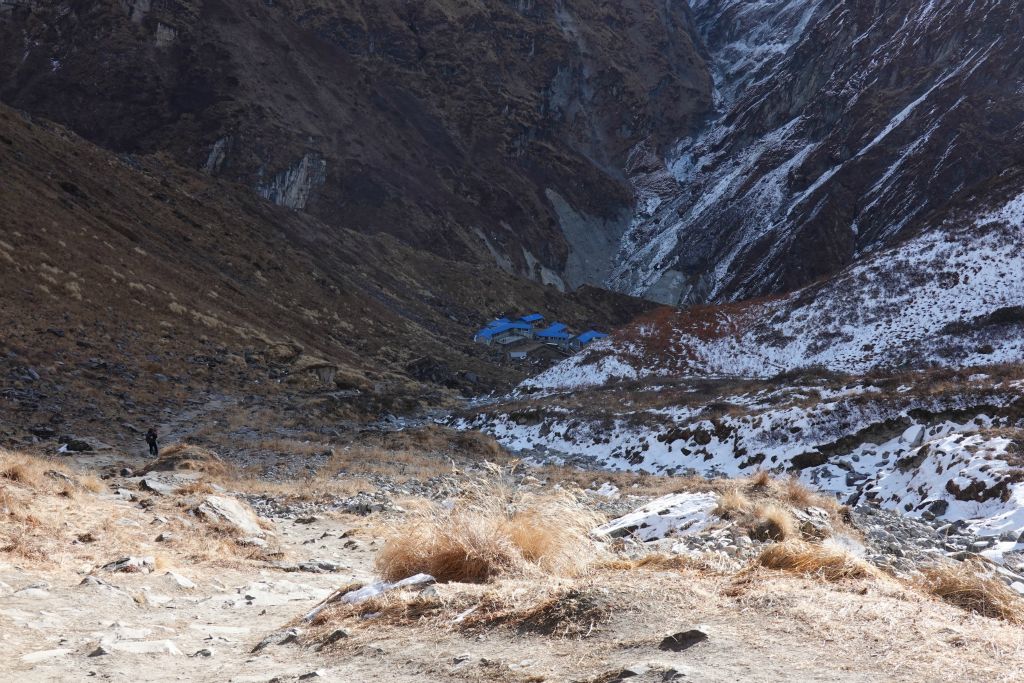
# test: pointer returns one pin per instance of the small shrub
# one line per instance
(761, 479)
(772, 523)
(733, 504)
(798, 557)
(965, 586)
(493, 532)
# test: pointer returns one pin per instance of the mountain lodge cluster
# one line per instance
(531, 335)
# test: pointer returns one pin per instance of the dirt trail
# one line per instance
(72, 621)
(157, 630)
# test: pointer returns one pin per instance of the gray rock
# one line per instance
(222, 509)
(142, 565)
(631, 671)
(684, 640)
(335, 636)
(158, 486)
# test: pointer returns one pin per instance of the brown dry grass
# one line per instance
(799, 495)
(53, 517)
(965, 585)
(771, 522)
(830, 564)
(182, 456)
(400, 465)
(554, 608)
(495, 530)
(733, 504)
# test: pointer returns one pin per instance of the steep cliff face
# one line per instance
(483, 130)
(842, 128)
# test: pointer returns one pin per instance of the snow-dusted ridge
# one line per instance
(952, 296)
(956, 454)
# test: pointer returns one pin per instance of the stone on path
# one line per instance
(224, 509)
(684, 640)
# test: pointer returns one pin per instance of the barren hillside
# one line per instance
(132, 287)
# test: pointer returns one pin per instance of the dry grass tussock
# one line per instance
(495, 530)
(182, 456)
(43, 474)
(566, 609)
(965, 585)
(770, 522)
(52, 516)
(733, 504)
(829, 563)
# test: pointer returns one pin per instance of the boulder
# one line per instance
(158, 486)
(143, 565)
(224, 510)
(913, 436)
(684, 640)
(72, 445)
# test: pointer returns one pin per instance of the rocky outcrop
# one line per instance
(434, 122)
(292, 187)
(842, 128)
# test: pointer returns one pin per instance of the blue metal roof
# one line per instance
(554, 331)
(500, 328)
(498, 321)
(591, 335)
(532, 318)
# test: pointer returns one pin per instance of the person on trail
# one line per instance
(151, 440)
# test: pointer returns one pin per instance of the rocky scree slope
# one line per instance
(943, 447)
(842, 128)
(487, 131)
(131, 286)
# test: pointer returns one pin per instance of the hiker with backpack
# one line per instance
(151, 440)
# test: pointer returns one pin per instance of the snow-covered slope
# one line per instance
(953, 295)
(944, 446)
(842, 127)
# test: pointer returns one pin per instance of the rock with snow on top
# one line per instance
(677, 514)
